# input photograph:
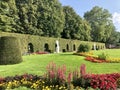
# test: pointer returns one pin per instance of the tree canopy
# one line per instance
(8, 16)
(75, 27)
(101, 23)
(49, 18)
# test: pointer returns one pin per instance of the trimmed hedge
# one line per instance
(39, 43)
(10, 52)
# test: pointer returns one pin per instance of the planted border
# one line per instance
(55, 78)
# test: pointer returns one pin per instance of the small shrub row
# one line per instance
(55, 78)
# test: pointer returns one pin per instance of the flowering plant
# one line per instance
(56, 79)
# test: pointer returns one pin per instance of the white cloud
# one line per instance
(116, 20)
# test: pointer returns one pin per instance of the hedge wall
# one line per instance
(39, 43)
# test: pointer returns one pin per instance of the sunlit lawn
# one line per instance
(110, 52)
(36, 64)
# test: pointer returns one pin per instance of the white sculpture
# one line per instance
(57, 46)
(94, 46)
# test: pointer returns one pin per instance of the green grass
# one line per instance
(110, 52)
(36, 64)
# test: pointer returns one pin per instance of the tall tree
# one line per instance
(28, 16)
(86, 30)
(75, 27)
(101, 23)
(8, 16)
(51, 17)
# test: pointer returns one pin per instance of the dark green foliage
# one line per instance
(114, 38)
(8, 16)
(84, 48)
(82, 82)
(49, 18)
(75, 27)
(10, 52)
(28, 17)
(41, 17)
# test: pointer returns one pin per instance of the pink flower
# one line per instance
(69, 77)
(82, 69)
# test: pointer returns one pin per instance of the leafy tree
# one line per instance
(28, 17)
(86, 30)
(8, 16)
(36, 17)
(114, 38)
(50, 17)
(75, 27)
(101, 23)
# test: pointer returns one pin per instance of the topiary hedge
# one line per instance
(10, 52)
(39, 43)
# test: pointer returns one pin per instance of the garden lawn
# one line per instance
(36, 64)
(110, 52)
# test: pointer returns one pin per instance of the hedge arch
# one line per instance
(10, 52)
(74, 47)
(30, 48)
(67, 47)
(46, 47)
(92, 47)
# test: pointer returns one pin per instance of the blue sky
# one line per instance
(81, 6)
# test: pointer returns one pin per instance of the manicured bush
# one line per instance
(10, 52)
(84, 48)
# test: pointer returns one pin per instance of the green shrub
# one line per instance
(10, 52)
(103, 56)
(84, 48)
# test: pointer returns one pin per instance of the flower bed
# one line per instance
(95, 60)
(56, 79)
(98, 59)
(114, 60)
(104, 81)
